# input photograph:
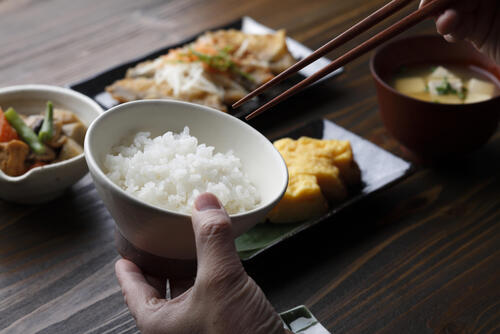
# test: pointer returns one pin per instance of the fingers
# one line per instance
(447, 23)
(455, 23)
(214, 237)
(140, 297)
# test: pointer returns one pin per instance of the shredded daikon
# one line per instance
(186, 79)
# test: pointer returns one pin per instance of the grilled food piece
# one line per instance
(216, 70)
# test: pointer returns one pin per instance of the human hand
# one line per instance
(224, 299)
(477, 21)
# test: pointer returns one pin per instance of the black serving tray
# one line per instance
(95, 86)
(379, 170)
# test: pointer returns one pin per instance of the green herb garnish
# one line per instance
(445, 88)
(222, 62)
(462, 94)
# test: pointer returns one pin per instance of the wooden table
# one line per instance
(422, 257)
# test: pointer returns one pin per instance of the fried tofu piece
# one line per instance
(303, 200)
(313, 164)
(13, 156)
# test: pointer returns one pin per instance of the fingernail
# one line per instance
(206, 201)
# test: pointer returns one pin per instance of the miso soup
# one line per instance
(450, 84)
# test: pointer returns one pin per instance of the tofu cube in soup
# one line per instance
(410, 85)
(453, 84)
(476, 86)
(477, 97)
(445, 86)
(441, 72)
(479, 91)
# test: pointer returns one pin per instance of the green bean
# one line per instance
(24, 131)
(47, 130)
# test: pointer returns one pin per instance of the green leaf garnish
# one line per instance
(222, 61)
(462, 94)
(445, 88)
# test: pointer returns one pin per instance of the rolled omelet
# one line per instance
(320, 172)
(302, 200)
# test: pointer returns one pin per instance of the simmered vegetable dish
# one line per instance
(27, 142)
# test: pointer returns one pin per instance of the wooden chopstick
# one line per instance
(368, 22)
(394, 30)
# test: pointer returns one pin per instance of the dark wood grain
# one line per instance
(422, 257)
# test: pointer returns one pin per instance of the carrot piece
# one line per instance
(7, 132)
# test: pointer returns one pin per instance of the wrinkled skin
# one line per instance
(223, 299)
(476, 21)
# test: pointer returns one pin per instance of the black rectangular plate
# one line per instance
(379, 170)
(95, 86)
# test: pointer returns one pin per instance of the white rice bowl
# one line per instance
(171, 170)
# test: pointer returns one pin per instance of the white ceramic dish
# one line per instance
(165, 233)
(45, 183)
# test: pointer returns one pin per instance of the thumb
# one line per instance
(214, 238)
(141, 298)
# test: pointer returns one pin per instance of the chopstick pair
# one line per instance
(376, 17)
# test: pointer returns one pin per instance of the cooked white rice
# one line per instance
(171, 170)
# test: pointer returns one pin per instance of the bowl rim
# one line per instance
(94, 166)
(63, 91)
(386, 85)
